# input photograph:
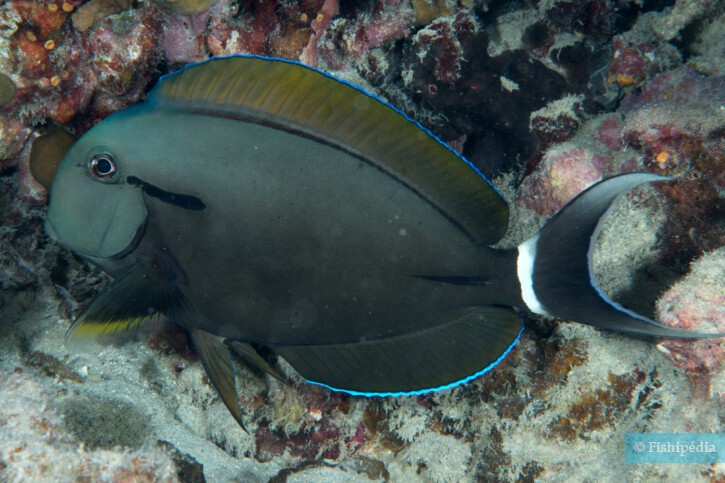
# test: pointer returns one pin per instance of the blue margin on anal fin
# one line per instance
(433, 389)
(467, 343)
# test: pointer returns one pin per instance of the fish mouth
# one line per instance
(140, 232)
(135, 241)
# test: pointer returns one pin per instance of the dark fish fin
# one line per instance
(251, 357)
(555, 267)
(293, 97)
(217, 362)
(136, 298)
(455, 280)
(468, 343)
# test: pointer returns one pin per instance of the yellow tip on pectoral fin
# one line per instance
(104, 332)
(134, 300)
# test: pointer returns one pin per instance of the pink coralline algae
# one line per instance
(13, 134)
(564, 172)
(682, 86)
(36, 61)
(294, 32)
(558, 121)
(393, 20)
(244, 33)
(15, 142)
(439, 46)
(676, 125)
(319, 24)
(29, 36)
(632, 63)
(75, 88)
(610, 133)
(183, 39)
(697, 303)
(29, 188)
(318, 435)
(58, 72)
(121, 57)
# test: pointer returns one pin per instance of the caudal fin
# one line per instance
(555, 266)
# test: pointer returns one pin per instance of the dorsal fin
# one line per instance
(299, 99)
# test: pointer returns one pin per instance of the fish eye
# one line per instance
(103, 167)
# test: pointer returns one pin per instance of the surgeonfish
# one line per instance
(261, 203)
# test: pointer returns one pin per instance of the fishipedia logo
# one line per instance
(708, 448)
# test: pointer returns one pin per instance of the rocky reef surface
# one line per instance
(544, 96)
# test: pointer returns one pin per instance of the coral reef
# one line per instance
(186, 7)
(91, 12)
(564, 173)
(13, 135)
(558, 121)
(121, 55)
(544, 97)
(688, 147)
(368, 31)
(7, 89)
(697, 302)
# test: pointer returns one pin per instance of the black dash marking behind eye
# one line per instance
(187, 202)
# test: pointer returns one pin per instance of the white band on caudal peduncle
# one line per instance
(525, 270)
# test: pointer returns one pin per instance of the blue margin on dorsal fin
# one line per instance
(302, 100)
(338, 79)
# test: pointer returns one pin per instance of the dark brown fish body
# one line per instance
(281, 207)
(324, 249)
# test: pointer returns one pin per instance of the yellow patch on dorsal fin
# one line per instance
(296, 98)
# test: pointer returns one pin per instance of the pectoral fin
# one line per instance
(138, 297)
(217, 362)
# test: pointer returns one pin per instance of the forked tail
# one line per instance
(555, 266)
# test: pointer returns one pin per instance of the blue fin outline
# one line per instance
(150, 98)
(429, 133)
(432, 389)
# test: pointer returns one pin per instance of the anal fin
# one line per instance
(251, 357)
(468, 342)
(217, 362)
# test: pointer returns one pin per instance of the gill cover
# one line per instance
(92, 218)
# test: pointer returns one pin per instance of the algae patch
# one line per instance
(50, 366)
(186, 7)
(7, 90)
(105, 423)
